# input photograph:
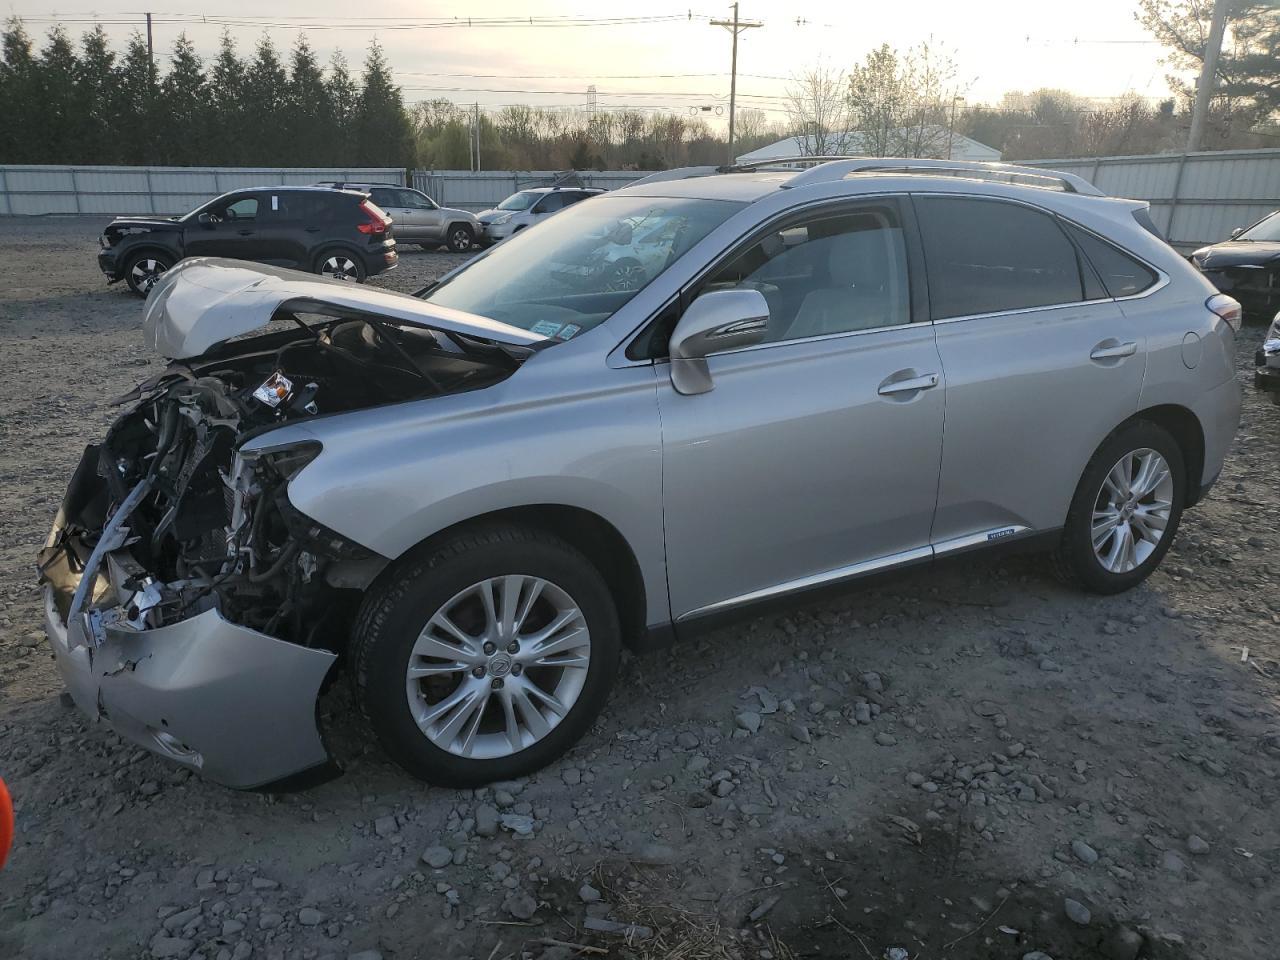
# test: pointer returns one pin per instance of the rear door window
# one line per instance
(549, 204)
(988, 256)
(385, 197)
(1121, 274)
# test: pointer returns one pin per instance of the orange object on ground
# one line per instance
(6, 823)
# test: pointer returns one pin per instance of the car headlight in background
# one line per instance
(501, 220)
(1273, 332)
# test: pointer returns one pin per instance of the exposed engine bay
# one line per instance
(202, 525)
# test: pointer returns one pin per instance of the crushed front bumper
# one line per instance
(233, 704)
(1266, 374)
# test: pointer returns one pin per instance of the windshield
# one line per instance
(574, 270)
(519, 201)
(1265, 231)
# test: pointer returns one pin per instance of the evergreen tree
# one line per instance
(98, 90)
(383, 136)
(310, 127)
(184, 107)
(266, 96)
(138, 129)
(227, 106)
(19, 91)
(343, 98)
(64, 113)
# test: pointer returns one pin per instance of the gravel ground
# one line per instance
(975, 762)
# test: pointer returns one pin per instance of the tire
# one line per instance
(462, 746)
(459, 238)
(339, 264)
(1137, 453)
(143, 269)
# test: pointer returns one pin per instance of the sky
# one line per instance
(672, 60)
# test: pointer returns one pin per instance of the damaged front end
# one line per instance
(188, 603)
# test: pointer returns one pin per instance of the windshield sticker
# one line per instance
(275, 202)
(546, 328)
(568, 330)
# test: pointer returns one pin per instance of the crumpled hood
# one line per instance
(1235, 253)
(493, 213)
(205, 300)
(142, 223)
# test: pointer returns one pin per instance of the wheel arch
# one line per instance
(586, 531)
(145, 247)
(1187, 430)
(331, 246)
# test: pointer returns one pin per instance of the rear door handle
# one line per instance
(1113, 350)
(313, 229)
(245, 233)
(910, 385)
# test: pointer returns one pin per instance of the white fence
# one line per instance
(1196, 198)
(470, 190)
(160, 190)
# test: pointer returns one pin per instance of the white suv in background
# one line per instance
(527, 207)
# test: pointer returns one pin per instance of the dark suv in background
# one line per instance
(337, 233)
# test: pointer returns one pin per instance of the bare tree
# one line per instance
(900, 103)
(817, 108)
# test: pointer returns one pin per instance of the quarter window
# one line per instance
(833, 274)
(985, 256)
(1121, 274)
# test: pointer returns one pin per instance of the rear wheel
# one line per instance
(1126, 510)
(142, 270)
(459, 238)
(340, 265)
(487, 657)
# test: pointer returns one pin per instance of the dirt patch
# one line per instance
(935, 766)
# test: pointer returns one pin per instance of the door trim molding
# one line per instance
(981, 538)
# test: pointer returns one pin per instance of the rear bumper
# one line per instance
(233, 704)
(1218, 411)
(381, 258)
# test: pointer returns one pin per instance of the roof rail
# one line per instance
(978, 170)
(688, 173)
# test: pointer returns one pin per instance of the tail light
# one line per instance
(376, 222)
(1228, 309)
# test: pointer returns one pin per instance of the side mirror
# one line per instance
(205, 220)
(1236, 232)
(718, 320)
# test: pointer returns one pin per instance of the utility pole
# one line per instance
(1208, 75)
(951, 127)
(151, 50)
(735, 26)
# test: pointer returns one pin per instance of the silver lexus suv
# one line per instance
(474, 498)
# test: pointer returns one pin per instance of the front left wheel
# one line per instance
(460, 238)
(142, 270)
(486, 657)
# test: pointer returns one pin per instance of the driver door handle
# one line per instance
(1113, 350)
(245, 233)
(911, 385)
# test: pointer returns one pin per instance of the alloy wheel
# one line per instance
(1132, 510)
(340, 267)
(146, 272)
(460, 240)
(498, 666)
